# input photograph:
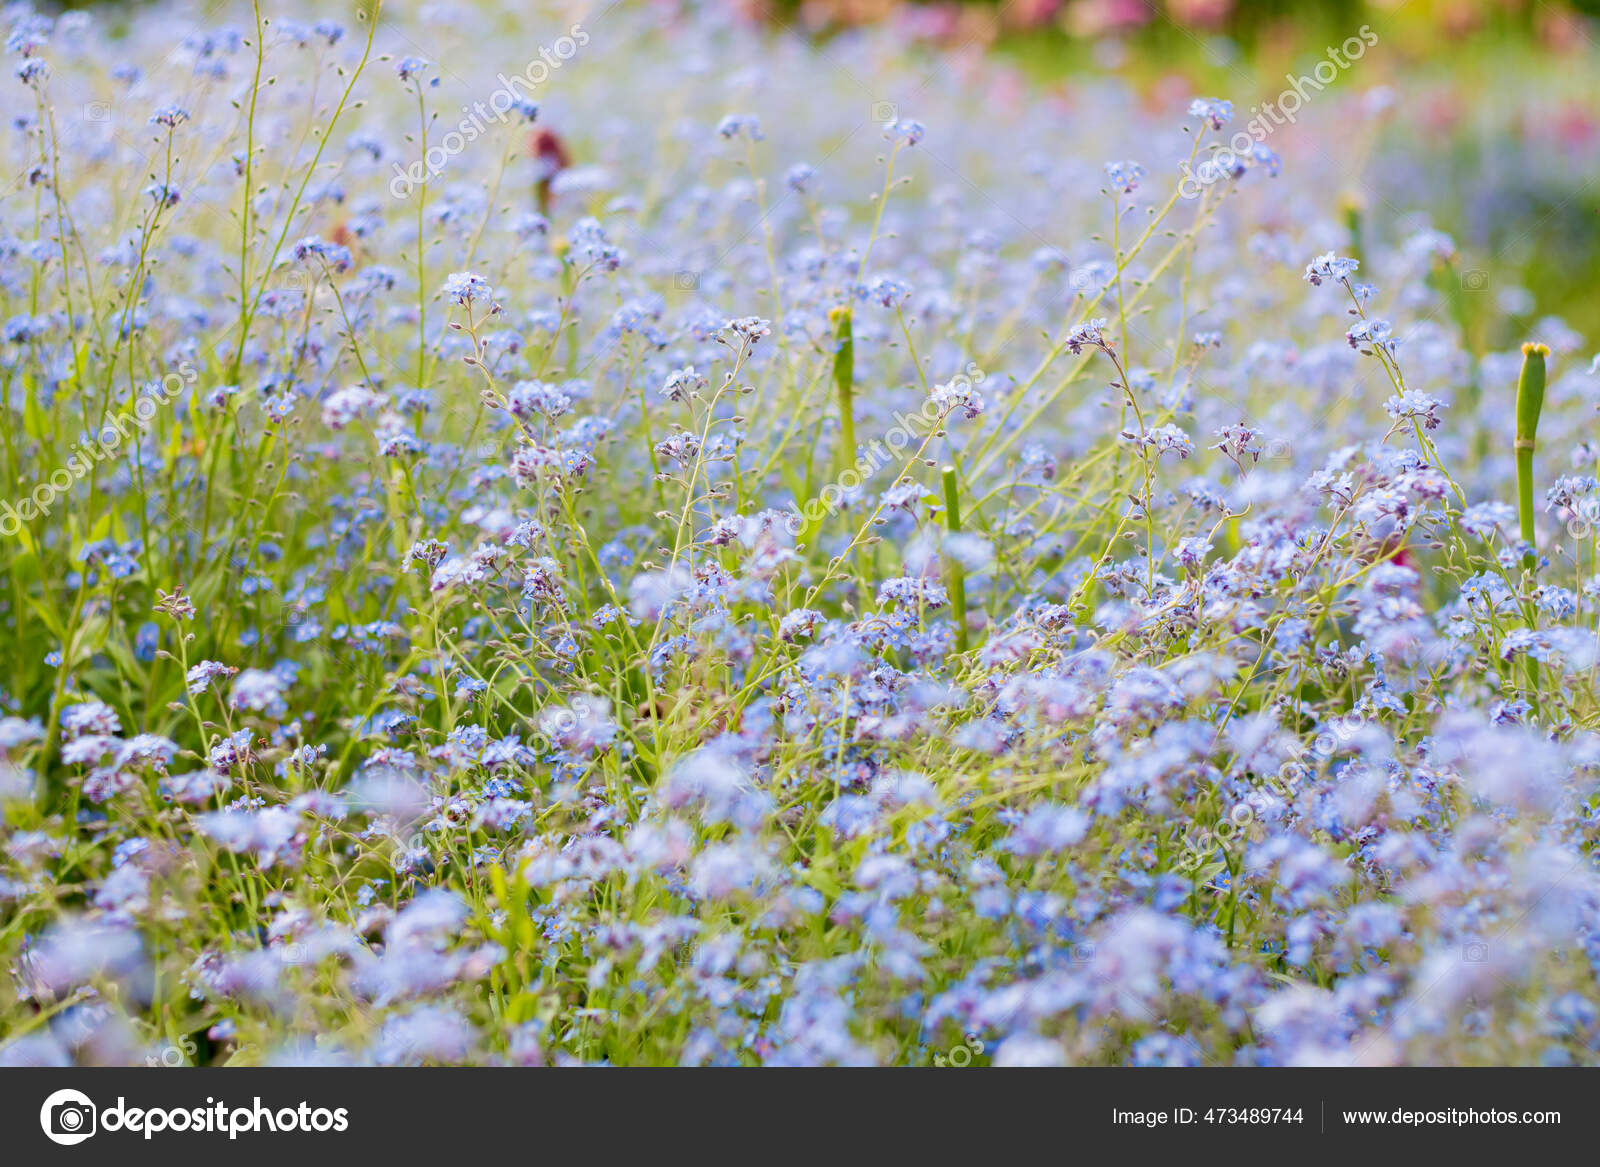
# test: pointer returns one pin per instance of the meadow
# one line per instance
(627, 535)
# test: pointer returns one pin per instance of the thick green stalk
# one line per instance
(1530, 400)
(844, 374)
(957, 584)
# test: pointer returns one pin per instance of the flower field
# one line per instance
(628, 535)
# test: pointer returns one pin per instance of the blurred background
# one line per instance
(1494, 105)
(1490, 108)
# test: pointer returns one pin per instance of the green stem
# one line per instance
(1350, 207)
(957, 583)
(844, 373)
(1530, 400)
